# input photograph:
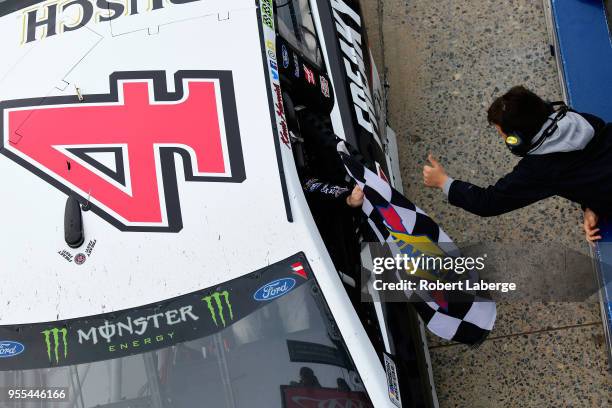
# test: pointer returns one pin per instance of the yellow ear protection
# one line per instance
(517, 143)
(520, 145)
(514, 141)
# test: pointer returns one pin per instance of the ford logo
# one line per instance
(274, 289)
(10, 348)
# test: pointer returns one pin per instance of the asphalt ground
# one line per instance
(445, 62)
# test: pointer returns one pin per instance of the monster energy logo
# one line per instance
(52, 341)
(216, 297)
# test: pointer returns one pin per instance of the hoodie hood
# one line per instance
(573, 133)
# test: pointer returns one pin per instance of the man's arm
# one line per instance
(515, 190)
(508, 194)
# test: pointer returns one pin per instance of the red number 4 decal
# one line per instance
(118, 150)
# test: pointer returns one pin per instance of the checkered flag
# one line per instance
(459, 316)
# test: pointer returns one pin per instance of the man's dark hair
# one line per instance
(519, 110)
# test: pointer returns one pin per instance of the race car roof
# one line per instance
(156, 119)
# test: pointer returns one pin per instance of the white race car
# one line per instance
(157, 246)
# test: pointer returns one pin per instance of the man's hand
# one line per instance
(434, 176)
(590, 226)
(355, 200)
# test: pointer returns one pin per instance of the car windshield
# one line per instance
(266, 339)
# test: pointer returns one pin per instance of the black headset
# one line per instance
(519, 144)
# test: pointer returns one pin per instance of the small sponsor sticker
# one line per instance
(310, 78)
(90, 247)
(392, 381)
(80, 259)
(267, 13)
(274, 289)
(272, 48)
(296, 64)
(9, 348)
(324, 86)
(299, 270)
(274, 70)
(66, 255)
(285, 54)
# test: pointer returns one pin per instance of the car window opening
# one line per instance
(308, 107)
(296, 26)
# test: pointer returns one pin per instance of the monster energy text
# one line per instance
(215, 306)
(138, 326)
(141, 342)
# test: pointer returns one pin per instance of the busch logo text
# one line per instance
(48, 19)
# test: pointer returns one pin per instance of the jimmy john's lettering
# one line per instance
(52, 17)
(348, 25)
(141, 326)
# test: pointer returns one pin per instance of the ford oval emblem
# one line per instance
(274, 289)
(10, 348)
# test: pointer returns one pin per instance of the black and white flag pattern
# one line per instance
(460, 316)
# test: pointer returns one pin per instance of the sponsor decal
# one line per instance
(140, 326)
(280, 112)
(56, 342)
(309, 352)
(299, 270)
(141, 194)
(392, 381)
(50, 18)
(319, 397)
(80, 259)
(153, 329)
(140, 342)
(285, 54)
(274, 289)
(324, 86)
(296, 64)
(215, 304)
(274, 70)
(270, 40)
(66, 255)
(90, 247)
(119, 333)
(349, 27)
(309, 75)
(9, 348)
(267, 13)
(271, 50)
